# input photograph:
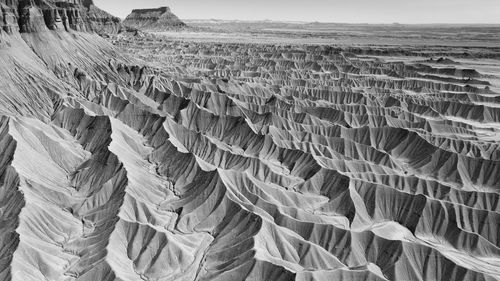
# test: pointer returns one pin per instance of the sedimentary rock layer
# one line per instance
(153, 19)
(29, 16)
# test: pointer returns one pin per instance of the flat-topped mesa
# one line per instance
(28, 16)
(153, 19)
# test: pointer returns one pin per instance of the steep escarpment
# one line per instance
(153, 19)
(34, 16)
(50, 41)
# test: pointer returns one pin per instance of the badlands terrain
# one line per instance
(245, 151)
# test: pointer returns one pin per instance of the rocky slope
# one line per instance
(153, 19)
(241, 162)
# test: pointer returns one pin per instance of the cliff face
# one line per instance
(49, 41)
(153, 19)
(28, 16)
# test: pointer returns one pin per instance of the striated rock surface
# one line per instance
(210, 161)
(153, 19)
(28, 16)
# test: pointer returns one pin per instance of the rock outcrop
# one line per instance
(49, 40)
(153, 19)
(29, 16)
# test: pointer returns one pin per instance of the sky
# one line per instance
(340, 11)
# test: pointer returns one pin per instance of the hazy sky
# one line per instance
(348, 11)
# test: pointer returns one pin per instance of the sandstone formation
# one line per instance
(153, 19)
(28, 16)
(210, 161)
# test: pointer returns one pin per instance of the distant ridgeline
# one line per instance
(27, 16)
(153, 19)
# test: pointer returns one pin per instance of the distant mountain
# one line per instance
(153, 19)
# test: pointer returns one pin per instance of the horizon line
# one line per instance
(351, 23)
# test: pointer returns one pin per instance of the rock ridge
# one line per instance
(31, 16)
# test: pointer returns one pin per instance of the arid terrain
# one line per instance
(245, 151)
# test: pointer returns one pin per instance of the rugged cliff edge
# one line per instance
(28, 16)
(46, 42)
(153, 19)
